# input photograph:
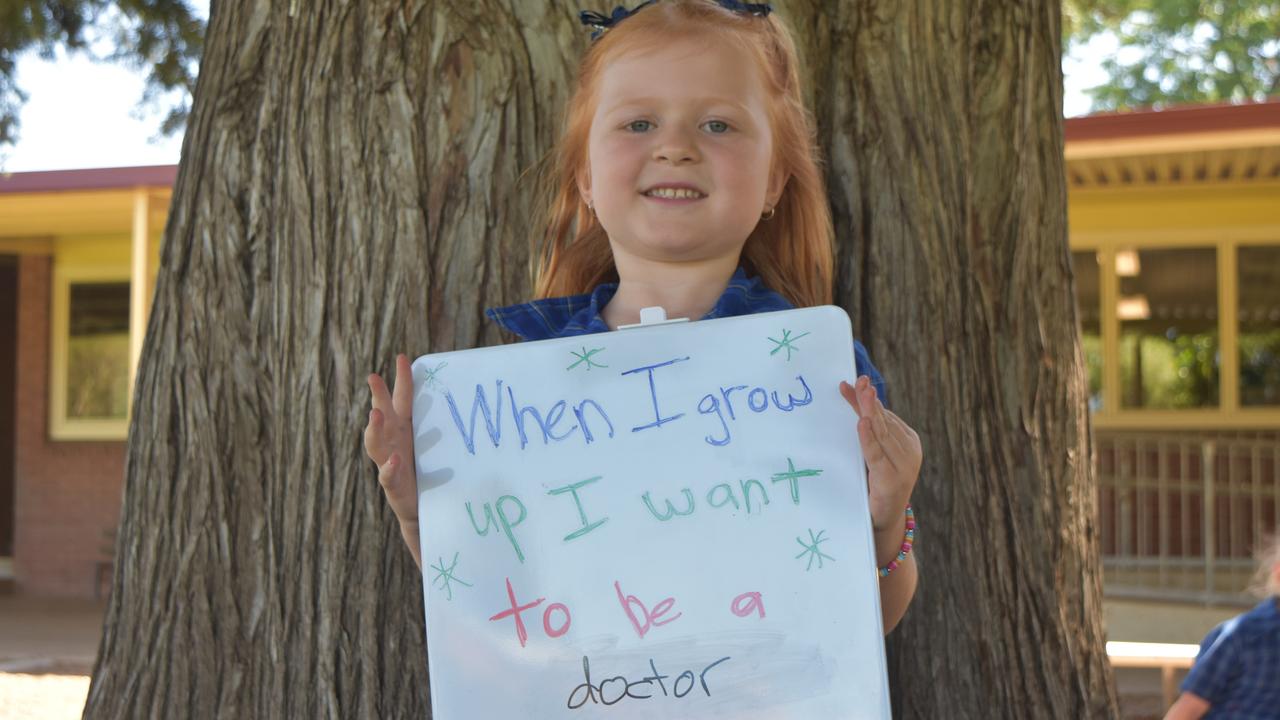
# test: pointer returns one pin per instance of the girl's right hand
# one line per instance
(388, 440)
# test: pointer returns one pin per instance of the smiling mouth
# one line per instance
(674, 194)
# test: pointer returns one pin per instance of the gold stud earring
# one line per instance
(769, 215)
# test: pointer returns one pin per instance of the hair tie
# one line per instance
(760, 9)
(600, 23)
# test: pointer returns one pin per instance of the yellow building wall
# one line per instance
(1225, 216)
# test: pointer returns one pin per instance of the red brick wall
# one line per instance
(65, 493)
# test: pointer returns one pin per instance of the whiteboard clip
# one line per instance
(653, 316)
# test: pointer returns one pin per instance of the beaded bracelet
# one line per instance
(908, 540)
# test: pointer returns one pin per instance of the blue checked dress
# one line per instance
(1238, 667)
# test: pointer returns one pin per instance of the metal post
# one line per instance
(1162, 512)
(1168, 685)
(1208, 505)
(1124, 483)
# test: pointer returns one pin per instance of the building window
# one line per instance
(1258, 273)
(97, 376)
(1088, 307)
(1168, 312)
(90, 351)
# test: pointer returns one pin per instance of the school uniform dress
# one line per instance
(580, 315)
(1238, 667)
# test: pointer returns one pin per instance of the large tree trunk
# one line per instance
(347, 191)
(942, 122)
(351, 188)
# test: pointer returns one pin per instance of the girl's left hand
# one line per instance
(892, 452)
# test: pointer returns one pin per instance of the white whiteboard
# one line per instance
(629, 503)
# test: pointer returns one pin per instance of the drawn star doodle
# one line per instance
(792, 475)
(585, 357)
(446, 577)
(811, 549)
(429, 377)
(786, 343)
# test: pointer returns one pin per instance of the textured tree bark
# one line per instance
(942, 124)
(348, 190)
(352, 186)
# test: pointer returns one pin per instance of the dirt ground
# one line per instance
(42, 697)
(47, 647)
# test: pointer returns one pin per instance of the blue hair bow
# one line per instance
(761, 9)
(600, 23)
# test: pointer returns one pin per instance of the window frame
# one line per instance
(61, 427)
(1226, 243)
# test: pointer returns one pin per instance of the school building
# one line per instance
(1175, 239)
(78, 257)
(1174, 223)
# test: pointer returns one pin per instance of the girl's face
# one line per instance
(680, 153)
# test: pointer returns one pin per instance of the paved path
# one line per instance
(47, 649)
(42, 634)
(42, 697)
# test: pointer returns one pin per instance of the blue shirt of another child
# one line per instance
(580, 315)
(1238, 668)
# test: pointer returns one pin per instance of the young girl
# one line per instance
(1237, 672)
(686, 177)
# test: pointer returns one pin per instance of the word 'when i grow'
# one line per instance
(591, 421)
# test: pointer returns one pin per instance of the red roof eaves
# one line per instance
(1174, 121)
(92, 179)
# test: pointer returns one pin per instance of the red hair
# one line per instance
(792, 252)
